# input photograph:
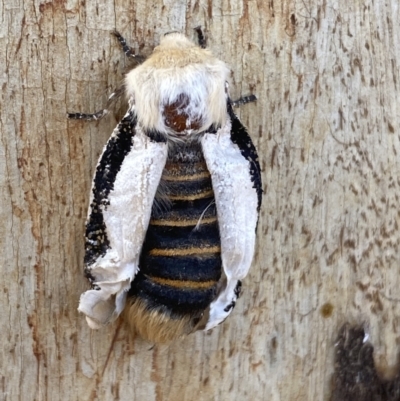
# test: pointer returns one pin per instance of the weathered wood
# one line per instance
(326, 127)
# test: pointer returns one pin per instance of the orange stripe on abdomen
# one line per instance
(191, 197)
(186, 251)
(183, 223)
(191, 177)
(183, 283)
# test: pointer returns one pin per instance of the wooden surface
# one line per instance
(327, 130)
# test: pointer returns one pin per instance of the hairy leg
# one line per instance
(127, 49)
(101, 113)
(243, 100)
(200, 37)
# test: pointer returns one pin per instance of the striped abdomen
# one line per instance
(180, 263)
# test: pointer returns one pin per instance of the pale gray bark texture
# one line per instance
(326, 126)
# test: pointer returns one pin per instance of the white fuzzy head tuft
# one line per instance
(180, 88)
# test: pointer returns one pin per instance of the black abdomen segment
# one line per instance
(180, 263)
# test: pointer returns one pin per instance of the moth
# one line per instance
(171, 225)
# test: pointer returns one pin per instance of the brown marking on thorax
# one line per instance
(176, 118)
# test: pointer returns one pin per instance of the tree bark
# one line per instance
(326, 75)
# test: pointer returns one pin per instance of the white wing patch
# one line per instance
(126, 217)
(236, 201)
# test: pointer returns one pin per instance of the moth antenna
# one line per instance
(128, 50)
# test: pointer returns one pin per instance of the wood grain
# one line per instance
(326, 126)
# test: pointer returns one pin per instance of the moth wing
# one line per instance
(126, 180)
(236, 178)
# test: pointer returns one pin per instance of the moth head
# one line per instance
(175, 40)
(179, 90)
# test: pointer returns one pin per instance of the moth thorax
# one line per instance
(180, 115)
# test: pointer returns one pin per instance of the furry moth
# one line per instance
(175, 199)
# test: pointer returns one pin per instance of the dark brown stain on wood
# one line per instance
(326, 310)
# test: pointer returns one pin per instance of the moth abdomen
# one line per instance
(175, 298)
(162, 310)
(180, 264)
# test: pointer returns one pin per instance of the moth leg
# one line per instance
(116, 94)
(88, 117)
(200, 37)
(243, 100)
(129, 52)
(101, 113)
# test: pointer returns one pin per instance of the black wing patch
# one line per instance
(242, 139)
(117, 148)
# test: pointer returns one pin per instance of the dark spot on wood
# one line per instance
(352, 188)
(353, 262)
(271, 7)
(341, 118)
(209, 9)
(332, 257)
(361, 286)
(273, 156)
(374, 298)
(254, 366)
(307, 233)
(326, 310)
(350, 244)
